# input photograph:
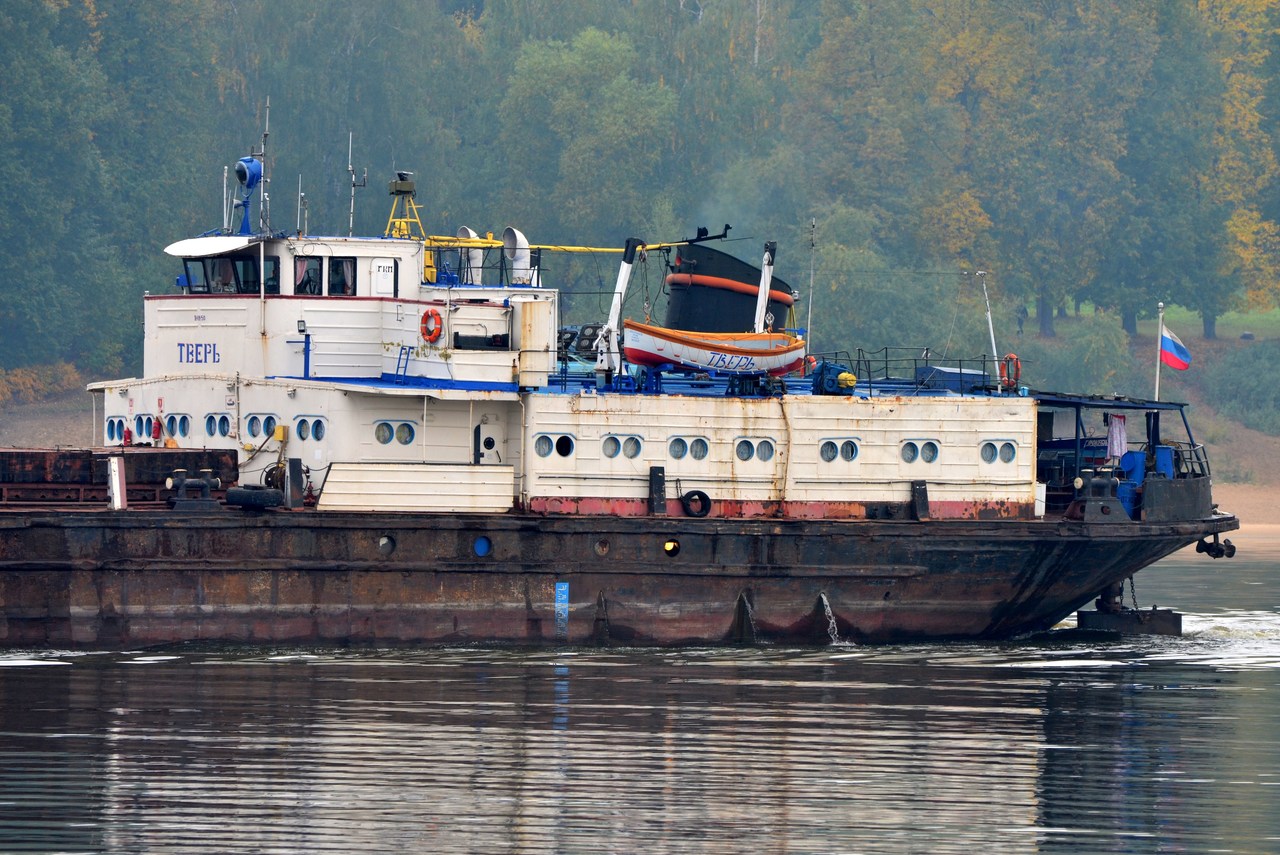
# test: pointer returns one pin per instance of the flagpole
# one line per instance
(1159, 345)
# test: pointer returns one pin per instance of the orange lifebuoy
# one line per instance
(431, 325)
(1010, 371)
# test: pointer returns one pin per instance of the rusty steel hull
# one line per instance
(105, 579)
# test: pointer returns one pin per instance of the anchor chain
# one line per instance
(1133, 595)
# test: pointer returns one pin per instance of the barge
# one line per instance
(395, 440)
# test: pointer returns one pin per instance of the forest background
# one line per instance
(1092, 158)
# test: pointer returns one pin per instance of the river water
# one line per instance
(1059, 745)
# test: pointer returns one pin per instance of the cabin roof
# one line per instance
(203, 247)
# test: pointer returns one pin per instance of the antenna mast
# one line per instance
(363, 182)
(813, 243)
(264, 214)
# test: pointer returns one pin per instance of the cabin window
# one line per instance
(342, 277)
(745, 450)
(268, 425)
(194, 279)
(405, 433)
(1007, 452)
(239, 274)
(698, 448)
(307, 280)
(631, 447)
(115, 430)
(383, 432)
(989, 452)
(217, 424)
(255, 426)
(846, 450)
(544, 445)
(611, 446)
(926, 451)
(310, 429)
(678, 448)
(764, 449)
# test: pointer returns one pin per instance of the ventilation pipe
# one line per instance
(515, 248)
(470, 258)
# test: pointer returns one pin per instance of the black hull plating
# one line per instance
(102, 579)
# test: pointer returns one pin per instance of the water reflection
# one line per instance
(1150, 745)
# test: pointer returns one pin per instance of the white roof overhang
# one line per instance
(203, 247)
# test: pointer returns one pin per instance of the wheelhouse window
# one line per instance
(342, 277)
(229, 275)
(307, 277)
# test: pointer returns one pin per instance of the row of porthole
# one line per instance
(746, 449)
(697, 448)
(261, 425)
(214, 425)
(143, 426)
(402, 433)
(628, 446)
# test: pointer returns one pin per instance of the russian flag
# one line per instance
(1173, 352)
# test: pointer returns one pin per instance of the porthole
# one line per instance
(482, 546)
(1008, 452)
(849, 449)
(677, 448)
(171, 425)
(149, 427)
(631, 447)
(698, 448)
(989, 452)
(269, 426)
(111, 430)
(745, 450)
(929, 452)
(303, 429)
(764, 449)
(383, 432)
(611, 446)
(404, 433)
(828, 451)
(210, 425)
(184, 425)
(224, 425)
(910, 451)
(317, 430)
(564, 446)
(255, 425)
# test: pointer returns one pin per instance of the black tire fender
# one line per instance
(695, 503)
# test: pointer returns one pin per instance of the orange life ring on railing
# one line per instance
(1010, 371)
(431, 326)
